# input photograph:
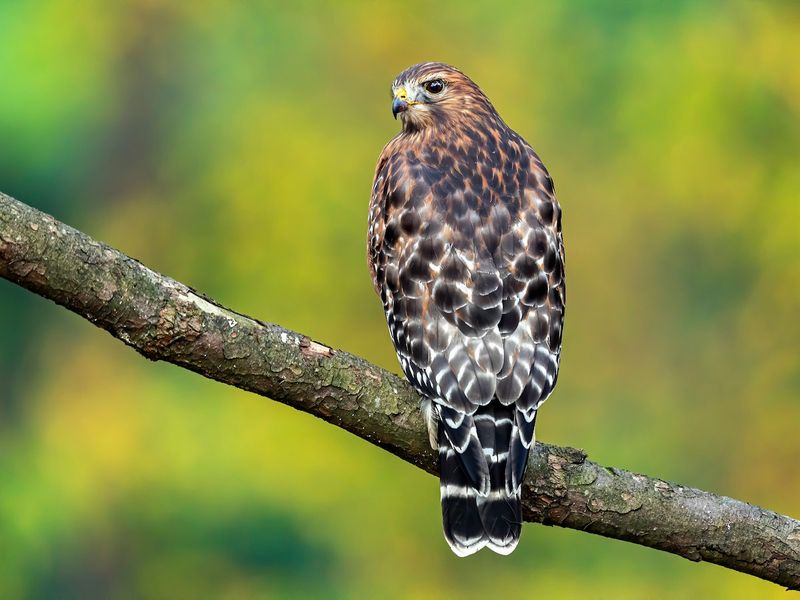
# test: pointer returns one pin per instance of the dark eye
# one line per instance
(434, 86)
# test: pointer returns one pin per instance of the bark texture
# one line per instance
(163, 319)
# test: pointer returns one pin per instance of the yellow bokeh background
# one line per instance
(232, 147)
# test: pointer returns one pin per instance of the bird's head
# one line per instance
(435, 94)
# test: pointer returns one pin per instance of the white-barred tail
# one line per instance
(481, 462)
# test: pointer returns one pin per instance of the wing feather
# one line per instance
(472, 280)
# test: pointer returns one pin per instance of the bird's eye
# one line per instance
(434, 86)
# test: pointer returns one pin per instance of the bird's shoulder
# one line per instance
(483, 192)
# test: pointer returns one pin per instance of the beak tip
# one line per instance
(398, 106)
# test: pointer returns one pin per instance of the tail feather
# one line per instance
(502, 521)
(485, 512)
(463, 528)
(500, 511)
(521, 442)
(462, 438)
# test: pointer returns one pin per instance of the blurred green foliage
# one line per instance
(232, 146)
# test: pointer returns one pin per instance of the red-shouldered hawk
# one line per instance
(466, 253)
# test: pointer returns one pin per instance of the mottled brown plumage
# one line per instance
(466, 253)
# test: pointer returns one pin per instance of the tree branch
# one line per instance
(166, 320)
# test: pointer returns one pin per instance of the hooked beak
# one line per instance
(398, 105)
(401, 101)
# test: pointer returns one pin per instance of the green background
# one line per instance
(231, 145)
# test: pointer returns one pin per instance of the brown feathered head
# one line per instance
(433, 95)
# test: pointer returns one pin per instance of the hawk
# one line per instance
(465, 250)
